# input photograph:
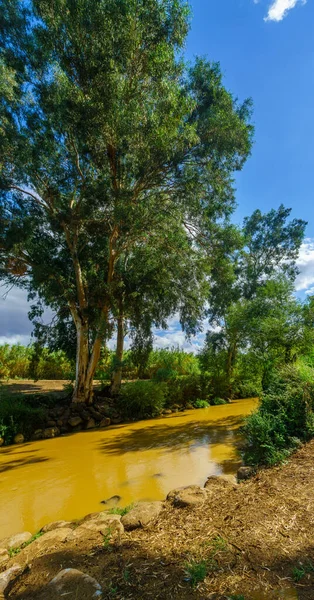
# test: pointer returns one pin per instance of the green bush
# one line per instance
(17, 415)
(284, 418)
(200, 403)
(141, 399)
(217, 401)
(187, 389)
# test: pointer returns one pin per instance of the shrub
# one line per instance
(141, 399)
(218, 401)
(187, 389)
(200, 404)
(17, 415)
(285, 416)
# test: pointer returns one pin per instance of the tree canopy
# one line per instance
(110, 138)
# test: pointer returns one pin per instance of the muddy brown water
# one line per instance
(68, 477)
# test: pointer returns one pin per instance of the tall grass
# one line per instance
(16, 362)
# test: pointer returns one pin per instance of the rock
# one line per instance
(214, 484)
(38, 435)
(191, 496)
(8, 577)
(73, 584)
(95, 414)
(15, 541)
(1, 441)
(113, 501)
(51, 423)
(75, 421)
(90, 424)
(167, 411)
(4, 557)
(55, 525)
(43, 545)
(245, 473)
(189, 407)
(105, 422)
(141, 515)
(19, 438)
(60, 423)
(117, 420)
(100, 523)
(50, 432)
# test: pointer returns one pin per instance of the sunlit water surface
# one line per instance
(68, 477)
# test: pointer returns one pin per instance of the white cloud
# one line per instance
(305, 279)
(279, 9)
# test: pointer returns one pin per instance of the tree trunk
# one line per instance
(231, 356)
(117, 374)
(82, 389)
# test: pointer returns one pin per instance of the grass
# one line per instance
(117, 510)
(196, 572)
(299, 571)
(107, 539)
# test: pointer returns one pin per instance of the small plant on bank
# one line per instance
(236, 597)
(299, 571)
(107, 539)
(196, 572)
(219, 544)
(117, 510)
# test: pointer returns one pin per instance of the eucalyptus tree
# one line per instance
(265, 256)
(110, 137)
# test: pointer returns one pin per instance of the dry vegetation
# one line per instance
(255, 537)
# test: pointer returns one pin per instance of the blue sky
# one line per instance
(266, 51)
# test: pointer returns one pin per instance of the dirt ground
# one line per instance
(255, 538)
(28, 386)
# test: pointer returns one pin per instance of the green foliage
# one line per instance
(200, 403)
(298, 572)
(108, 134)
(141, 399)
(284, 418)
(236, 597)
(187, 389)
(21, 362)
(217, 401)
(196, 571)
(18, 415)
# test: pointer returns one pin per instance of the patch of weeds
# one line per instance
(126, 575)
(113, 590)
(120, 511)
(196, 572)
(219, 544)
(299, 572)
(200, 403)
(236, 597)
(107, 539)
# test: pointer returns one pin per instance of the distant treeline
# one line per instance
(27, 362)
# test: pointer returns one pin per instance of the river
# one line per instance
(69, 476)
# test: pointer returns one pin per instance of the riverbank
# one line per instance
(243, 539)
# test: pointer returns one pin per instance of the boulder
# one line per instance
(75, 421)
(55, 525)
(117, 420)
(37, 435)
(245, 473)
(19, 438)
(50, 432)
(71, 583)
(8, 577)
(4, 557)
(15, 541)
(190, 496)
(100, 523)
(167, 411)
(215, 483)
(43, 545)
(51, 423)
(90, 424)
(105, 422)
(1, 441)
(141, 515)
